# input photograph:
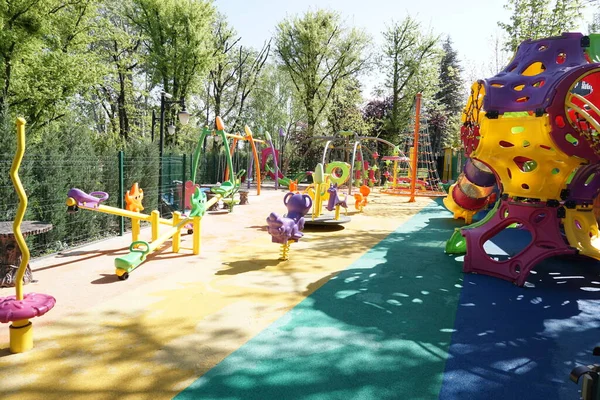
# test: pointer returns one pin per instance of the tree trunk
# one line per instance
(122, 111)
(310, 118)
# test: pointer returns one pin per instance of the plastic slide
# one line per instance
(472, 191)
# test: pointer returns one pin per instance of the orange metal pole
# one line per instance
(249, 138)
(415, 164)
(256, 167)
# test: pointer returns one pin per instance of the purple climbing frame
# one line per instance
(543, 224)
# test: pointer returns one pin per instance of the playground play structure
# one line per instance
(20, 308)
(258, 163)
(413, 175)
(472, 192)
(534, 128)
(139, 249)
(324, 192)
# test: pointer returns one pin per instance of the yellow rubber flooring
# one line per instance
(178, 315)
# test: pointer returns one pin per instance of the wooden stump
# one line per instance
(243, 197)
(214, 207)
(10, 259)
(10, 254)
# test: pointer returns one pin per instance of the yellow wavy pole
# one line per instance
(14, 176)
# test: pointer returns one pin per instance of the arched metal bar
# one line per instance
(356, 145)
(324, 159)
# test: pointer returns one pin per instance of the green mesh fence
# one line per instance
(47, 178)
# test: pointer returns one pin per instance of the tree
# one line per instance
(119, 47)
(178, 43)
(450, 89)
(43, 57)
(500, 57)
(443, 116)
(594, 25)
(534, 19)
(273, 103)
(410, 62)
(344, 113)
(235, 73)
(376, 112)
(318, 52)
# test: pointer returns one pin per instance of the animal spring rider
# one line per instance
(19, 309)
(288, 229)
(335, 202)
(361, 198)
(536, 127)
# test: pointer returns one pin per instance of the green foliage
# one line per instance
(444, 119)
(407, 61)
(118, 46)
(318, 52)
(450, 81)
(235, 74)
(535, 19)
(594, 25)
(273, 103)
(178, 41)
(344, 113)
(44, 60)
(410, 62)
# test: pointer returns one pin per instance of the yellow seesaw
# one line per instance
(139, 249)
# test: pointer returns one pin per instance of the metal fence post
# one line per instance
(121, 192)
(183, 167)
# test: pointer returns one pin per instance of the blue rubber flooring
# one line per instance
(404, 322)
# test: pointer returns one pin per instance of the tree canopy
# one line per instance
(535, 19)
(318, 51)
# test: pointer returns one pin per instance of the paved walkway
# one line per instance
(178, 315)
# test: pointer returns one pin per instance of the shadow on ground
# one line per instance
(113, 359)
(403, 322)
(377, 330)
(513, 342)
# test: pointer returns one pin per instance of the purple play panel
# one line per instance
(557, 54)
(585, 185)
(543, 224)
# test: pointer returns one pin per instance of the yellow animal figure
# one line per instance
(133, 198)
(310, 190)
(361, 198)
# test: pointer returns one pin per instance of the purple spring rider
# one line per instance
(334, 199)
(287, 229)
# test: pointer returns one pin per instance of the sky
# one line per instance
(470, 24)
